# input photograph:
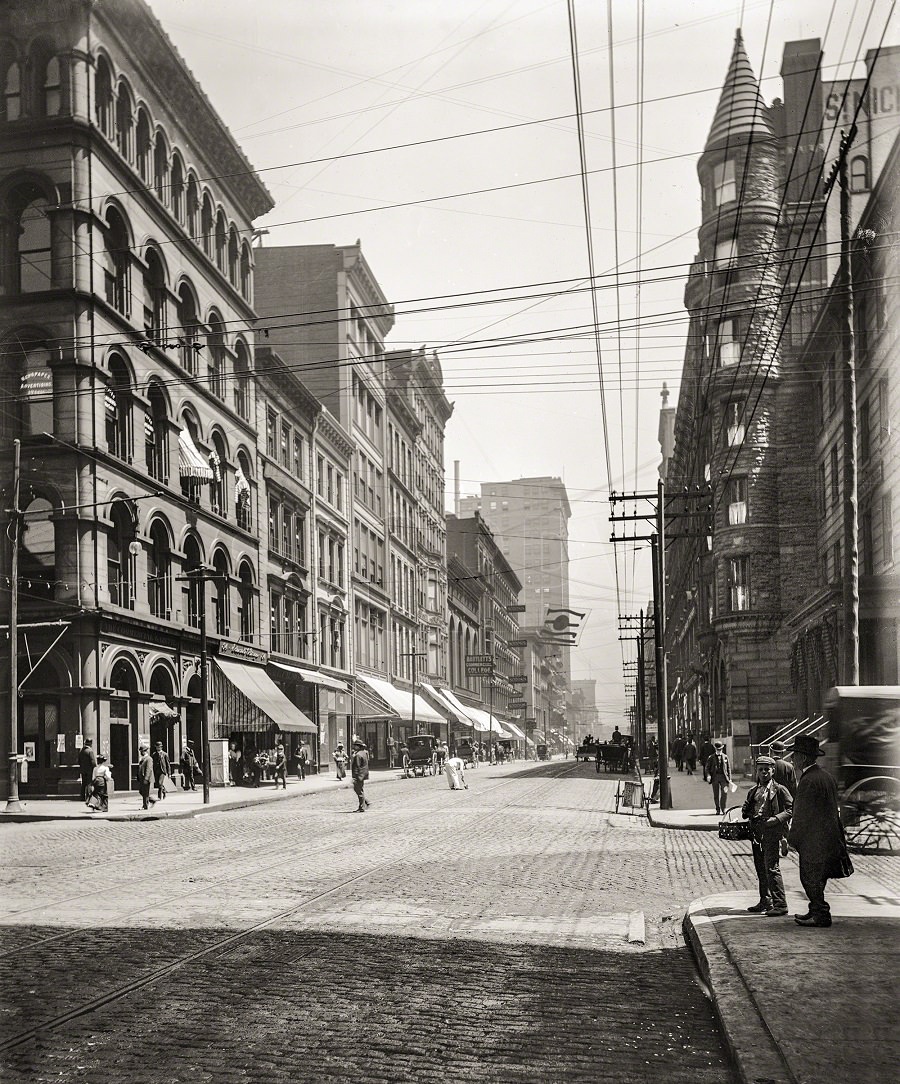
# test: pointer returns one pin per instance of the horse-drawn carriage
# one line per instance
(420, 755)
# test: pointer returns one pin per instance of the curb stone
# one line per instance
(751, 1045)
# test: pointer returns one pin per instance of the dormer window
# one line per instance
(724, 187)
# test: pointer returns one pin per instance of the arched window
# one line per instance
(206, 225)
(245, 602)
(156, 435)
(161, 167)
(37, 392)
(215, 345)
(221, 594)
(234, 250)
(124, 122)
(859, 174)
(243, 492)
(155, 323)
(12, 90)
(218, 490)
(176, 188)
(123, 678)
(193, 559)
(118, 409)
(51, 92)
(159, 571)
(103, 93)
(30, 211)
(246, 265)
(192, 213)
(188, 327)
(241, 380)
(144, 143)
(119, 558)
(117, 263)
(37, 556)
(221, 242)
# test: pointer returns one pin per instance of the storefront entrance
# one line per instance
(120, 754)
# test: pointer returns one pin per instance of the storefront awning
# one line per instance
(248, 699)
(442, 703)
(490, 723)
(191, 463)
(160, 710)
(463, 711)
(401, 701)
(313, 677)
(516, 732)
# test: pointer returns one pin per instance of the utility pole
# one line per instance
(13, 805)
(844, 284)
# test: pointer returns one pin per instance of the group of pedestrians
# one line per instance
(796, 806)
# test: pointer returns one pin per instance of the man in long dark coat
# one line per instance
(87, 761)
(816, 831)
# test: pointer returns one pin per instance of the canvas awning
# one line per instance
(443, 703)
(401, 701)
(248, 699)
(490, 723)
(159, 709)
(518, 734)
(464, 711)
(313, 677)
(191, 463)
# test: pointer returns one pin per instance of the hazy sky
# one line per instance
(479, 240)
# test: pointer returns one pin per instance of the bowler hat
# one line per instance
(778, 747)
(808, 745)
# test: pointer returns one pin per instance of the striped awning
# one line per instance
(191, 463)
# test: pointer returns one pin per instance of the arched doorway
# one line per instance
(163, 717)
(123, 719)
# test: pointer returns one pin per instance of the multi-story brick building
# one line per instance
(128, 282)
(327, 317)
(753, 596)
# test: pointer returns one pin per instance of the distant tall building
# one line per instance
(530, 521)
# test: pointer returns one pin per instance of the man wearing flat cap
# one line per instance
(816, 832)
(768, 808)
(783, 772)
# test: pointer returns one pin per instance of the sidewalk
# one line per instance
(692, 802)
(800, 1005)
(796, 1005)
(126, 806)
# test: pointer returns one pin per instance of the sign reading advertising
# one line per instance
(517, 643)
(518, 679)
(516, 608)
(479, 665)
(517, 705)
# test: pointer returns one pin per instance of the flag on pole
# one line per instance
(563, 626)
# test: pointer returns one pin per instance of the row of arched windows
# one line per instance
(146, 146)
(227, 588)
(463, 641)
(32, 84)
(202, 346)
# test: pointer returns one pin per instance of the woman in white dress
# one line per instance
(455, 772)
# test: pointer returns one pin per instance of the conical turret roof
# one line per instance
(741, 111)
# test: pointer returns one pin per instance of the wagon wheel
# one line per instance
(872, 807)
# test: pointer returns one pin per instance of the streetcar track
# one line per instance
(123, 991)
(140, 879)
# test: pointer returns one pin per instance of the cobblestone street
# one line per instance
(480, 935)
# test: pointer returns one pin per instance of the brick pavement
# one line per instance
(483, 936)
